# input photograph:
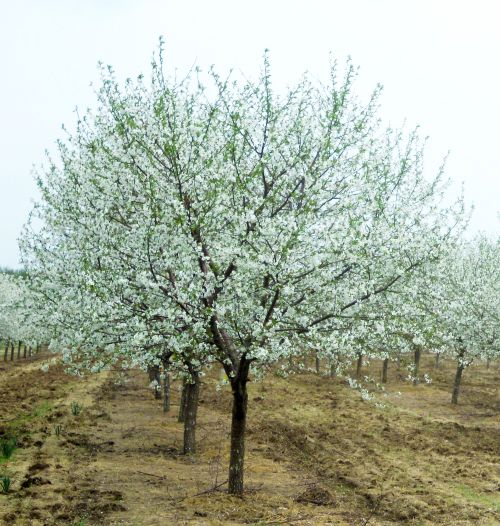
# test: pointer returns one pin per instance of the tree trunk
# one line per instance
(18, 350)
(416, 369)
(398, 361)
(182, 405)
(385, 366)
(154, 376)
(359, 365)
(25, 350)
(29, 351)
(6, 352)
(166, 392)
(488, 363)
(456, 384)
(11, 351)
(333, 368)
(318, 364)
(436, 365)
(238, 426)
(191, 405)
(166, 385)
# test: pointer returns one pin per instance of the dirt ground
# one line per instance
(316, 453)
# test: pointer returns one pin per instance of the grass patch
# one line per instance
(79, 522)
(16, 428)
(476, 497)
(39, 411)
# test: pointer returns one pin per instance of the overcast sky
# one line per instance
(437, 59)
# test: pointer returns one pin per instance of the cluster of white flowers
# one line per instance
(363, 391)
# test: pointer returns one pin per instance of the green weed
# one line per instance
(5, 483)
(58, 430)
(7, 446)
(76, 408)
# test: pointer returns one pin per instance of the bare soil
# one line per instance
(316, 453)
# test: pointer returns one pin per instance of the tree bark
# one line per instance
(191, 405)
(458, 379)
(333, 368)
(385, 367)
(436, 364)
(182, 404)
(359, 365)
(238, 427)
(166, 385)
(166, 392)
(416, 369)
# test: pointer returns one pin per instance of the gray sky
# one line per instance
(438, 62)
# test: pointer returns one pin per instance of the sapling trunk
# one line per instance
(385, 367)
(487, 363)
(416, 369)
(18, 350)
(333, 368)
(318, 364)
(456, 384)
(25, 350)
(166, 385)
(6, 352)
(182, 404)
(166, 392)
(436, 365)
(458, 379)
(359, 365)
(238, 427)
(11, 351)
(192, 395)
(29, 351)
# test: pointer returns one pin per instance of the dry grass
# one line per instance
(316, 453)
